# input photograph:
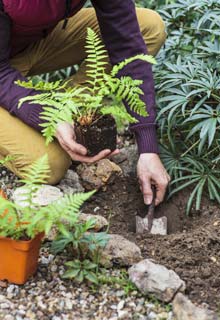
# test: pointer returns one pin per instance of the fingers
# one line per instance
(101, 155)
(116, 151)
(146, 189)
(161, 186)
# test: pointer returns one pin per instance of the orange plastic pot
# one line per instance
(19, 259)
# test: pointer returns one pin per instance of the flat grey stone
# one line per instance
(152, 278)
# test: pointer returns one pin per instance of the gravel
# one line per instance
(47, 296)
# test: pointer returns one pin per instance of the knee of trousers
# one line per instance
(58, 168)
(153, 30)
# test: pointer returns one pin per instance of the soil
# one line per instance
(100, 135)
(192, 246)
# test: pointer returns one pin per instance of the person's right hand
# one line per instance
(65, 134)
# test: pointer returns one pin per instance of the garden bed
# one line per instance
(192, 247)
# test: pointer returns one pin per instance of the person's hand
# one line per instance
(150, 172)
(66, 136)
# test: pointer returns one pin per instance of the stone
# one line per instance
(152, 278)
(127, 159)
(97, 175)
(70, 184)
(100, 222)
(120, 251)
(44, 196)
(123, 314)
(184, 309)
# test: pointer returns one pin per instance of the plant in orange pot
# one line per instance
(22, 228)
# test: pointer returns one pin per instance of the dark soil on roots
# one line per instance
(100, 135)
(192, 247)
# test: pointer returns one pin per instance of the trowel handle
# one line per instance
(151, 209)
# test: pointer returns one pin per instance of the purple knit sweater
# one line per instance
(121, 35)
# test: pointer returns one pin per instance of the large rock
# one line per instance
(100, 222)
(44, 196)
(70, 184)
(184, 309)
(97, 175)
(152, 278)
(120, 251)
(127, 159)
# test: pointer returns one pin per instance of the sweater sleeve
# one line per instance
(10, 93)
(122, 37)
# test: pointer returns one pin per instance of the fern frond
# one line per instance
(121, 65)
(42, 85)
(96, 60)
(33, 99)
(6, 159)
(128, 90)
(65, 209)
(119, 113)
(37, 173)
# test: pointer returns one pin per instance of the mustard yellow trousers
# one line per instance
(61, 48)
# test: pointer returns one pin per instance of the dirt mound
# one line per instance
(192, 248)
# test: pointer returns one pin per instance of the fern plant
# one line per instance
(104, 93)
(18, 222)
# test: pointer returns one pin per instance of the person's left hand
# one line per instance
(150, 172)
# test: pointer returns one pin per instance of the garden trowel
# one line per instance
(149, 223)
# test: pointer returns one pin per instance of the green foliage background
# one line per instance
(187, 79)
(188, 95)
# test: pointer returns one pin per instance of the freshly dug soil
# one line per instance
(100, 135)
(192, 248)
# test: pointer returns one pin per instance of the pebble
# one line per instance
(9, 317)
(123, 314)
(121, 304)
(152, 315)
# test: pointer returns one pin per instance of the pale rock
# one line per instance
(152, 316)
(120, 251)
(120, 305)
(123, 314)
(97, 175)
(9, 317)
(184, 309)
(69, 304)
(152, 278)
(4, 306)
(100, 222)
(70, 184)
(43, 197)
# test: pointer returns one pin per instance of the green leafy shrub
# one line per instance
(104, 93)
(18, 222)
(188, 90)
